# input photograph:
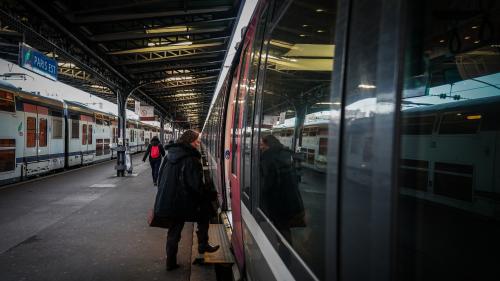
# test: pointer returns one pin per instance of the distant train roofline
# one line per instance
(485, 102)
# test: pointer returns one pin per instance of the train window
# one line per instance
(75, 129)
(98, 147)
(296, 96)
(107, 149)
(30, 132)
(448, 219)
(84, 134)
(56, 128)
(250, 85)
(418, 125)
(42, 134)
(7, 155)
(7, 102)
(460, 123)
(90, 135)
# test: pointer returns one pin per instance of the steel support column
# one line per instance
(122, 124)
(162, 131)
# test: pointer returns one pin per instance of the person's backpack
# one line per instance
(155, 152)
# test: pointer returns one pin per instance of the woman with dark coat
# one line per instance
(155, 152)
(184, 196)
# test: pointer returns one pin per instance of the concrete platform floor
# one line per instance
(86, 224)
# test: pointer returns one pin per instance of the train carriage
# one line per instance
(388, 192)
(81, 144)
(103, 135)
(32, 134)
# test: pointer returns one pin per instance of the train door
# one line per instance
(36, 147)
(31, 121)
(87, 139)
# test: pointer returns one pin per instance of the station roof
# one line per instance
(174, 48)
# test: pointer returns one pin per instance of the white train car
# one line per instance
(32, 135)
(81, 138)
(131, 135)
(103, 136)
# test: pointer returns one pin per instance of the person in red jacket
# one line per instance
(155, 152)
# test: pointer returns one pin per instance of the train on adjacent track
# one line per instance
(358, 140)
(39, 135)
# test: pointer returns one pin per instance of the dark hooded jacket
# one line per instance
(154, 142)
(182, 194)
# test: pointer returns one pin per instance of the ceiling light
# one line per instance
(305, 25)
(476, 42)
(302, 35)
(151, 44)
(474, 27)
(441, 41)
(170, 29)
(319, 10)
(467, 37)
(320, 31)
(366, 86)
(183, 43)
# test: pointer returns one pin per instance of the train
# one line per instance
(388, 192)
(39, 135)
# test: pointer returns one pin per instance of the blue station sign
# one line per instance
(37, 62)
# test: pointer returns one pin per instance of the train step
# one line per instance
(203, 265)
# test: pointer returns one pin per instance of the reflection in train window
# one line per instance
(449, 184)
(30, 132)
(56, 128)
(42, 135)
(75, 131)
(295, 108)
(90, 135)
(7, 155)
(7, 102)
(84, 134)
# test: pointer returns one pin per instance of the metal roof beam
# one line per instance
(168, 56)
(173, 67)
(78, 19)
(142, 34)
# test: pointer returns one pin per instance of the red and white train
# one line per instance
(39, 135)
(387, 193)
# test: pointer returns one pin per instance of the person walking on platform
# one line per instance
(186, 197)
(155, 152)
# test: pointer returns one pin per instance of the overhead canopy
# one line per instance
(174, 48)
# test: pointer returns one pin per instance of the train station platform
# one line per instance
(88, 224)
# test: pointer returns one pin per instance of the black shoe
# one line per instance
(207, 248)
(171, 267)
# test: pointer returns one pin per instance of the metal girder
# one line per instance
(74, 72)
(80, 19)
(197, 98)
(162, 91)
(172, 74)
(167, 48)
(187, 82)
(130, 35)
(174, 66)
(170, 55)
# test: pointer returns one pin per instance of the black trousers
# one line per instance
(174, 236)
(155, 167)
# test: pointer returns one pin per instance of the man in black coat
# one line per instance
(155, 152)
(185, 197)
